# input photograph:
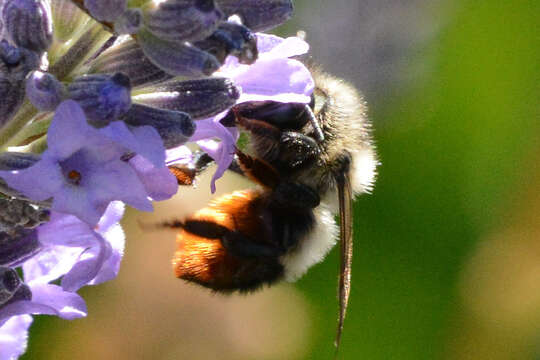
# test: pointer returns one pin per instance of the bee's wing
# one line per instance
(346, 247)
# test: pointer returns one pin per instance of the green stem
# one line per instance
(79, 52)
(38, 146)
(36, 128)
(26, 112)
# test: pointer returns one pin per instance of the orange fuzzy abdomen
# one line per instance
(207, 262)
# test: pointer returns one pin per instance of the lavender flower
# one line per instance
(274, 76)
(13, 336)
(74, 251)
(82, 255)
(77, 162)
(76, 170)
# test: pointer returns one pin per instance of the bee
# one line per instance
(309, 162)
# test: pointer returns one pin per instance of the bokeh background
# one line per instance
(447, 248)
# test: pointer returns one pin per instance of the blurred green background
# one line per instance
(447, 247)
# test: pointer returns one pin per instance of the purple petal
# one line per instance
(281, 80)
(49, 300)
(159, 182)
(269, 47)
(109, 270)
(112, 216)
(88, 266)
(272, 46)
(46, 170)
(117, 181)
(66, 230)
(143, 140)
(179, 155)
(69, 119)
(222, 152)
(14, 336)
(75, 201)
(51, 263)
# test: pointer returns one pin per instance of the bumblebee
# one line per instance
(310, 161)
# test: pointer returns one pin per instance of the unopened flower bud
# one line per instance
(17, 244)
(174, 127)
(104, 98)
(231, 39)
(258, 15)
(181, 20)
(129, 22)
(44, 91)
(17, 160)
(200, 98)
(105, 10)
(28, 23)
(11, 287)
(177, 59)
(17, 62)
(129, 59)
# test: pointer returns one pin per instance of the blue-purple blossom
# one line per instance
(73, 251)
(13, 336)
(100, 150)
(274, 76)
(81, 254)
(84, 172)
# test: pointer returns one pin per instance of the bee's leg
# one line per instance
(257, 170)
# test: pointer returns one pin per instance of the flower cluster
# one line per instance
(99, 97)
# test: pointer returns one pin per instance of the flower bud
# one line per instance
(15, 64)
(104, 98)
(181, 20)
(258, 15)
(200, 98)
(177, 59)
(28, 23)
(16, 244)
(17, 160)
(105, 10)
(174, 127)
(11, 287)
(128, 58)
(231, 39)
(129, 22)
(44, 91)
